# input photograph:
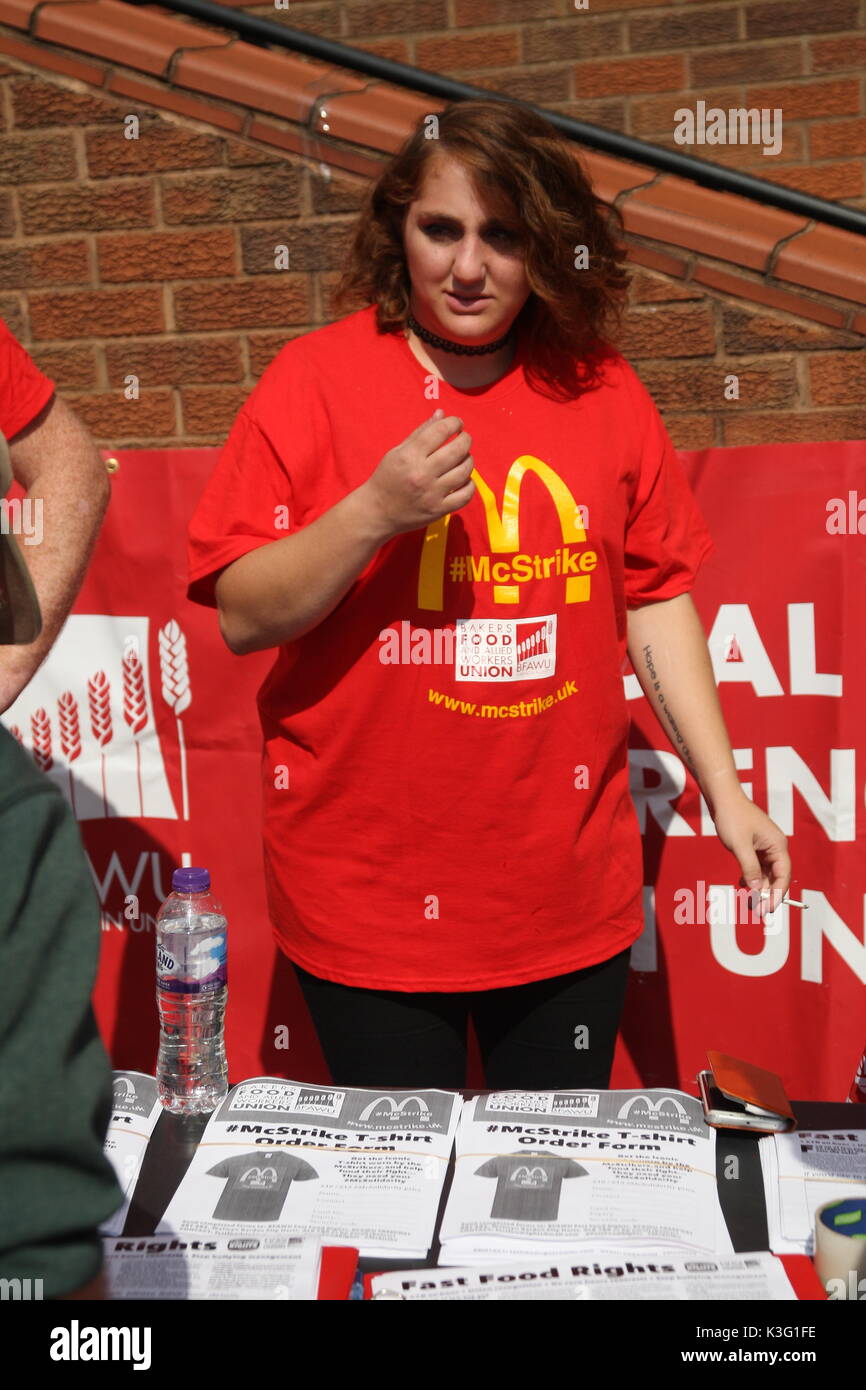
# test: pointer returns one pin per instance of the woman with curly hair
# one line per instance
(454, 511)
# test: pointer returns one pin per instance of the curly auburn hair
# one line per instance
(521, 166)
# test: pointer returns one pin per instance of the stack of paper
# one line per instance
(600, 1273)
(550, 1171)
(362, 1168)
(802, 1171)
(260, 1268)
(135, 1111)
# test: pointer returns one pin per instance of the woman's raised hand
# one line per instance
(423, 478)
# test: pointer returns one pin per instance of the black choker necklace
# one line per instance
(448, 346)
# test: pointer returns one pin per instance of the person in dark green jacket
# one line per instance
(56, 1185)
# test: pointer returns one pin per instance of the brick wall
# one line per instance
(629, 64)
(154, 258)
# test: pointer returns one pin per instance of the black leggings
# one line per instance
(555, 1033)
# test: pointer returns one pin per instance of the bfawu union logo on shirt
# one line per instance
(505, 649)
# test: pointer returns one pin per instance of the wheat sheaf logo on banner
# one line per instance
(87, 718)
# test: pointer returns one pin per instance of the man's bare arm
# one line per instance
(56, 460)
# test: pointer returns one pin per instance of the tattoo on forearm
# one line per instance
(682, 746)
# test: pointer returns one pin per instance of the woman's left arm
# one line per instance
(669, 653)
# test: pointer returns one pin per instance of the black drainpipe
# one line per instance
(261, 31)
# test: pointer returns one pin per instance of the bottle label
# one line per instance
(191, 965)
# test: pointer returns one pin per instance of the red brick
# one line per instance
(682, 330)
(242, 153)
(260, 303)
(202, 254)
(176, 361)
(209, 411)
(604, 6)
(683, 29)
(831, 181)
(693, 431)
(232, 195)
(321, 247)
(263, 347)
(70, 367)
(371, 17)
(160, 145)
(701, 385)
(82, 207)
(837, 55)
(746, 63)
(454, 52)
(598, 78)
(44, 263)
(746, 332)
(397, 50)
(608, 112)
(37, 159)
(317, 16)
(799, 17)
(656, 114)
(13, 314)
(312, 146)
(652, 289)
(36, 103)
(96, 313)
(476, 13)
(829, 138)
(794, 427)
(802, 100)
(115, 421)
(551, 41)
(838, 378)
(7, 214)
(543, 86)
(339, 192)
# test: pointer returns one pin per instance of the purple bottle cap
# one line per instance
(190, 880)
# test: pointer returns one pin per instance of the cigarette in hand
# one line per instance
(792, 902)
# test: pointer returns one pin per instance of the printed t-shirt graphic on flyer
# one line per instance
(454, 811)
(529, 1184)
(258, 1184)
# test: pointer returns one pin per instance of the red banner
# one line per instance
(148, 724)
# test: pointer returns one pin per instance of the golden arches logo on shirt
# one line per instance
(503, 529)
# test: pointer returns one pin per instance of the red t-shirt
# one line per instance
(24, 389)
(437, 832)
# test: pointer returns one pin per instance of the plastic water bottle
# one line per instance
(191, 991)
